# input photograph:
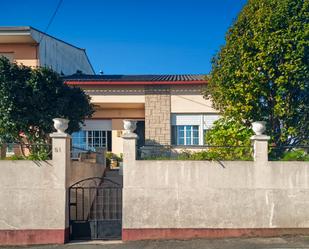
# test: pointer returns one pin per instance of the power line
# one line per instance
(52, 18)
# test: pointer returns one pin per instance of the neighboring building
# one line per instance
(170, 110)
(31, 47)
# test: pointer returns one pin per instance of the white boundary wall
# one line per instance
(161, 196)
(203, 194)
(34, 195)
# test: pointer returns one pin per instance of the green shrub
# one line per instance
(216, 154)
(111, 155)
(209, 154)
(295, 155)
(39, 156)
(15, 157)
(234, 138)
(159, 158)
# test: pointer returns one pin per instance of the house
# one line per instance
(31, 47)
(169, 109)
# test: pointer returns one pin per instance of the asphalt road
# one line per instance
(252, 243)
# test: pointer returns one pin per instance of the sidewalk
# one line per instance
(252, 243)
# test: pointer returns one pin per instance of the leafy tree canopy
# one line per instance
(31, 98)
(233, 134)
(262, 71)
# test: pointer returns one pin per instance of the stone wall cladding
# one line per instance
(157, 115)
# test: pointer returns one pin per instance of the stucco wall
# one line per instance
(189, 99)
(117, 141)
(165, 195)
(190, 103)
(119, 114)
(32, 195)
(203, 194)
(116, 98)
(26, 54)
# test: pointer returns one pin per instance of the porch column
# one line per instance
(157, 115)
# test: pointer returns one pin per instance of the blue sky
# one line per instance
(134, 36)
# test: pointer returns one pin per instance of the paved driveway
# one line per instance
(258, 243)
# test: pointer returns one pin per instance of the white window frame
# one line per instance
(203, 120)
(76, 149)
(191, 137)
(100, 137)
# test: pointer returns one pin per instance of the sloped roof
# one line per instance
(81, 79)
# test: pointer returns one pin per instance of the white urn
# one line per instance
(129, 126)
(259, 127)
(61, 124)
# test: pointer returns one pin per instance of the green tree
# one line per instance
(31, 98)
(262, 71)
(234, 135)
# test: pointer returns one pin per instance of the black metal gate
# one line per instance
(95, 209)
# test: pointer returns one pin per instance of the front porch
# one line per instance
(105, 128)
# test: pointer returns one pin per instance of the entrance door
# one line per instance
(95, 209)
(140, 131)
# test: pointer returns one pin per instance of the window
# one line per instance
(185, 135)
(79, 140)
(90, 140)
(96, 139)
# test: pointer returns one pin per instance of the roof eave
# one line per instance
(101, 83)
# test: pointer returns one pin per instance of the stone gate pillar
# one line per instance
(260, 142)
(129, 151)
(61, 159)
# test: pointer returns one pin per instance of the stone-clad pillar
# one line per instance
(157, 115)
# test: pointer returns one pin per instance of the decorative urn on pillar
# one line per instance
(61, 124)
(129, 126)
(259, 127)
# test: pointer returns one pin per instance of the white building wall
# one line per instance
(189, 99)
